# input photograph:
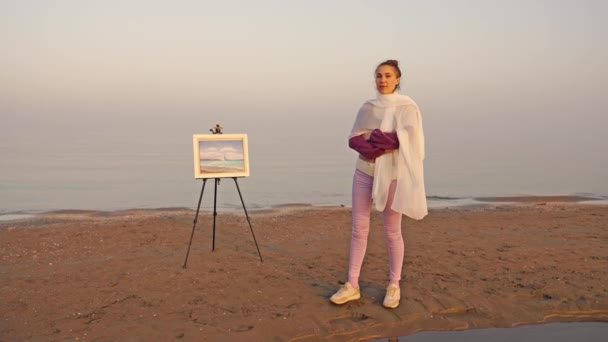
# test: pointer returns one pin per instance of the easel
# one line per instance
(218, 130)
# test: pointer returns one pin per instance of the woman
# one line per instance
(389, 138)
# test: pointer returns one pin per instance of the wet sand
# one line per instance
(551, 332)
(105, 276)
(536, 199)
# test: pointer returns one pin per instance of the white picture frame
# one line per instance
(220, 155)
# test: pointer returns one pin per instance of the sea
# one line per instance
(98, 163)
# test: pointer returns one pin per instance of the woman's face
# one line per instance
(386, 79)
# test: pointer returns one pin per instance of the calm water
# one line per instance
(88, 163)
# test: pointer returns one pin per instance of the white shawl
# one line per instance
(397, 113)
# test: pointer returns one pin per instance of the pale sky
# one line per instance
(61, 56)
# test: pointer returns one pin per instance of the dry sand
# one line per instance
(118, 276)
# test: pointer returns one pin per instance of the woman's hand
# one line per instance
(367, 135)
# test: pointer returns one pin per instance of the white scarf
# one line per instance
(397, 113)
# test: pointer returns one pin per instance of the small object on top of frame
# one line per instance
(217, 129)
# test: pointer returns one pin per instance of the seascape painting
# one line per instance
(221, 155)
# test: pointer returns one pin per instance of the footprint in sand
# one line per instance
(242, 328)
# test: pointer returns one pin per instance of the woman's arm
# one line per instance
(365, 148)
(384, 140)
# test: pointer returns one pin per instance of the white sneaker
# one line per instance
(346, 293)
(393, 295)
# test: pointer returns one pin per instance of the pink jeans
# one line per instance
(362, 205)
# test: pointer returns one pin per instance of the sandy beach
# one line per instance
(118, 276)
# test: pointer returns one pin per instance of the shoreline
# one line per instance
(118, 275)
(435, 202)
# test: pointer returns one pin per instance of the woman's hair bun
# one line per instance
(392, 61)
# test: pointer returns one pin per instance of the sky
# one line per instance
(64, 57)
(499, 81)
(221, 148)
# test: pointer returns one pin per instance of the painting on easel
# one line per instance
(220, 155)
